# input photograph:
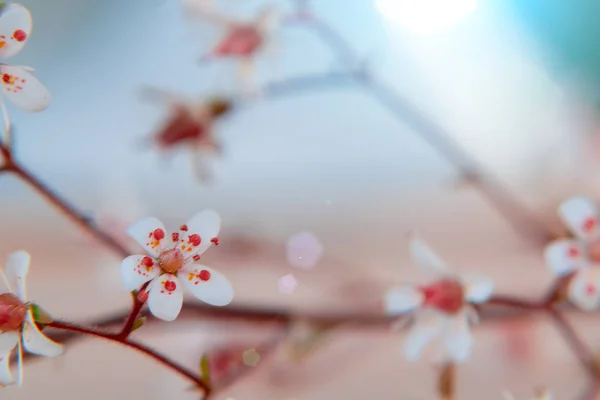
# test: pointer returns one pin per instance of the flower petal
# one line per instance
(478, 289)
(36, 342)
(208, 285)
(6, 377)
(457, 337)
(425, 257)
(402, 299)
(8, 341)
(580, 215)
(137, 270)
(23, 89)
(17, 266)
(584, 289)
(150, 233)
(15, 27)
(563, 256)
(200, 233)
(427, 326)
(166, 297)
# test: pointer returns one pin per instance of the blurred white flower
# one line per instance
(443, 309)
(287, 284)
(17, 326)
(243, 40)
(172, 264)
(579, 256)
(20, 87)
(303, 250)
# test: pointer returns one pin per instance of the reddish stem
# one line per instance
(136, 346)
(133, 314)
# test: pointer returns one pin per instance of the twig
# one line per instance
(136, 346)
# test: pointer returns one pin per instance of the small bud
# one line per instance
(142, 296)
(12, 312)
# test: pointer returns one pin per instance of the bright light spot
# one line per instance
(287, 284)
(303, 250)
(426, 16)
(251, 357)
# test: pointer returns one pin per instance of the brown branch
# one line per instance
(136, 346)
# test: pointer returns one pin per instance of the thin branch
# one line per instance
(136, 346)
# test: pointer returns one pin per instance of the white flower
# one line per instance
(443, 309)
(579, 256)
(172, 264)
(17, 326)
(21, 87)
(242, 40)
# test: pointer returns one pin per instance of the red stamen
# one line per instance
(194, 239)
(170, 286)
(19, 35)
(159, 234)
(215, 241)
(204, 275)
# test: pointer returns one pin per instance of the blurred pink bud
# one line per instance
(12, 312)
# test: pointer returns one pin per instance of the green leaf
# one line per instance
(204, 369)
(39, 315)
(138, 323)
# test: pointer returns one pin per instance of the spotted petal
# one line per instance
(478, 289)
(150, 233)
(563, 256)
(581, 215)
(6, 377)
(427, 326)
(15, 27)
(584, 289)
(17, 266)
(202, 231)
(208, 285)
(457, 337)
(137, 270)
(425, 257)
(402, 299)
(36, 342)
(166, 297)
(23, 89)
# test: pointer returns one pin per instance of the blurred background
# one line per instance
(317, 187)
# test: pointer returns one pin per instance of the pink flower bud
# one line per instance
(142, 296)
(12, 312)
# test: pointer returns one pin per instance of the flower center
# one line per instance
(171, 260)
(446, 295)
(593, 250)
(12, 312)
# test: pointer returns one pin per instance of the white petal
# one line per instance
(17, 266)
(563, 256)
(457, 337)
(166, 297)
(23, 89)
(135, 272)
(8, 341)
(145, 232)
(216, 291)
(584, 289)
(402, 299)
(14, 17)
(268, 19)
(425, 257)
(580, 214)
(36, 342)
(205, 224)
(478, 289)
(6, 377)
(428, 325)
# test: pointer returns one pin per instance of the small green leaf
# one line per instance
(138, 323)
(204, 369)
(39, 315)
